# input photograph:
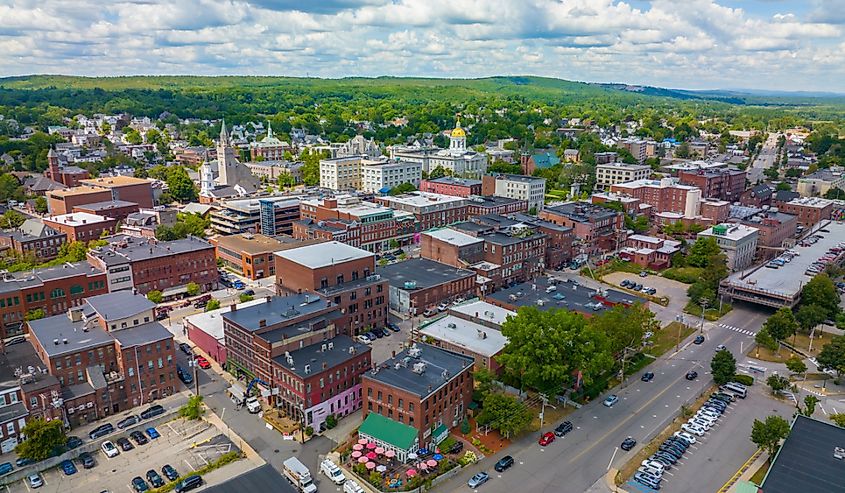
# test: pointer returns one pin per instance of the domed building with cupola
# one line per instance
(457, 159)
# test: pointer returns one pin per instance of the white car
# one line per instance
(685, 436)
(364, 340)
(706, 425)
(648, 470)
(109, 449)
(709, 413)
(693, 429)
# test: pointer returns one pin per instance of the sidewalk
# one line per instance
(745, 472)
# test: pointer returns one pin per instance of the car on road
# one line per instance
(155, 479)
(698, 340)
(643, 274)
(68, 468)
(101, 431)
(169, 472)
(721, 347)
(22, 462)
(504, 463)
(392, 326)
(647, 376)
(563, 428)
(109, 449)
(610, 400)
(546, 438)
(693, 429)
(249, 292)
(691, 375)
(125, 444)
(152, 433)
(139, 485)
(203, 363)
(189, 483)
(128, 421)
(35, 481)
(185, 348)
(73, 442)
(138, 438)
(86, 460)
(152, 411)
(628, 444)
(238, 284)
(478, 480)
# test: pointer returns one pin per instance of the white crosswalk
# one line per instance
(737, 329)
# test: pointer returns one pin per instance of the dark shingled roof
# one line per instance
(315, 357)
(399, 372)
(805, 462)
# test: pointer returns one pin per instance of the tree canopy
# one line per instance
(821, 291)
(723, 367)
(768, 434)
(832, 355)
(43, 439)
(504, 413)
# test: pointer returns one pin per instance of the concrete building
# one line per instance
(370, 175)
(715, 183)
(275, 169)
(737, 241)
(430, 210)
(820, 182)
(520, 187)
(81, 226)
(637, 147)
(268, 215)
(775, 229)
(612, 173)
(424, 387)
(457, 159)
(457, 187)
(418, 284)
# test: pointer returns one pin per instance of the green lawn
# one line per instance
(712, 314)
(667, 338)
(686, 275)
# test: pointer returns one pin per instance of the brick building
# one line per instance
(33, 239)
(757, 196)
(810, 210)
(774, 228)
(125, 188)
(69, 176)
(664, 195)
(722, 184)
(423, 386)
(419, 284)
(430, 210)
(147, 264)
(650, 252)
(115, 209)
(594, 227)
(342, 274)
(447, 185)
(249, 255)
(82, 226)
(63, 201)
(480, 206)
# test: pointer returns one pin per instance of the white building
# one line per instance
(520, 187)
(737, 241)
(456, 160)
(613, 173)
(361, 173)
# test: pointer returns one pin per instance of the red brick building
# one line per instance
(430, 210)
(125, 188)
(418, 284)
(250, 255)
(82, 226)
(33, 239)
(115, 209)
(595, 227)
(716, 211)
(773, 228)
(810, 210)
(480, 206)
(342, 274)
(757, 196)
(69, 176)
(722, 184)
(663, 195)
(63, 201)
(457, 187)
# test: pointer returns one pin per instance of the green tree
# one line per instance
(777, 383)
(465, 429)
(43, 439)
(402, 188)
(41, 205)
(180, 185)
(781, 324)
(723, 367)
(12, 219)
(625, 326)
(35, 314)
(437, 172)
(504, 413)
(245, 297)
(193, 289)
(10, 188)
(768, 434)
(796, 365)
(810, 402)
(765, 339)
(821, 291)
(702, 251)
(682, 151)
(132, 136)
(783, 186)
(838, 419)
(212, 305)
(832, 355)
(193, 409)
(809, 316)
(155, 296)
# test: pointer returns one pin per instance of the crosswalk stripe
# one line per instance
(737, 329)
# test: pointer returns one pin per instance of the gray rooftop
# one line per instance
(79, 335)
(36, 277)
(124, 249)
(424, 272)
(324, 254)
(315, 357)
(142, 334)
(456, 181)
(399, 372)
(107, 205)
(120, 304)
(471, 336)
(522, 178)
(805, 461)
(279, 309)
(583, 211)
(567, 295)
(18, 356)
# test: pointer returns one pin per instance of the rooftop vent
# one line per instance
(64, 341)
(307, 369)
(414, 351)
(419, 368)
(452, 326)
(323, 348)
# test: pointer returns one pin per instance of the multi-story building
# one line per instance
(715, 183)
(757, 196)
(273, 170)
(342, 274)
(419, 284)
(612, 173)
(650, 252)
(33, 239)
(810, 210)
(430, 210)
(594, 227)
(447, 185)
(369, 175)
(539, 160)
(664, 195)
(606, 157)
(82, 226)
(457, 159)
(715, 211)
(63, 201)
(774, 228)
(269, 216)
(269, 148)
(147, 265)
(737, 241)
(194, 156)
(483, 205)
(637, 148)
(125, 188)
(357, 222)
(820, 182)
(558, 240)
(425, 387)
(69, 176)
(249, 255)
(26, 392)
(528, 188)
(115, 209)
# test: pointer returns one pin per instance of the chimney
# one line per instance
(269, 299)
(55, 342)
(325, 365)
(233, 307)
(262, 323)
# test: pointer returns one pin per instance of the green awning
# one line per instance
(440, 433)
(395, 433)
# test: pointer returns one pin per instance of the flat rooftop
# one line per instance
(733, 231)
(522, 178)
(324, 254)
(424, 273)
(115, 181)
(52, 332)
(473, 337)
(278, 309)
(249, 243)
(142, 334)
(120, 304)
(566, 295)
(805, 461)
(483, 311)
(80, 190)
(440, 366)
(424, 199)
(464, 182)
(107, 205)
(453, 237)
(788, 280)
(338, 351)
(582, 211)
(125, 248)
(78, 219)
(212, 322)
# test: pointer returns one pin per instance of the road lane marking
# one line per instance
(615, 449)
(823, 410)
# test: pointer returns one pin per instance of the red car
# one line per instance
(203, 363)
(547, 438)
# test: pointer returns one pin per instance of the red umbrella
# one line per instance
(362, 460)
(371, 446)
(370, 465)
(411, 472)
(431, 463)
(371, 455)
(362, 441)
(423, 466)
(357, 446)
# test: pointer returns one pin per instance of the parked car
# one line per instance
(185, 348)
(392, 326)
(101, 431)
(690, 439)
(73, 442)
(184, 375)
(363, 339)
(152, 412)
(109, 449)
(68, 468)
(457, 448)
(692, 429)
(169, 472)
(152, 433)
(128, 421)
(647, 376)
(189, 483)
(429, 312)
(86, 460)
(155, 479)
(23, 462)
(442, 307)
(16, 340)
(503, 463)
(478, 480)
(611, 400)
(203, 363)
(125, 444)
(139, 485)
(238, 284)
(691, 375)
(138, 438)
(698, 340)
(5, 468)
(35, 481)
(377, 333)
(628, 444)
(546, 438)
(563, 428)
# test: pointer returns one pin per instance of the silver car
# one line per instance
(478, 480)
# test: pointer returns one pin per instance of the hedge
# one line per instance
(218, 463)
(744, 379)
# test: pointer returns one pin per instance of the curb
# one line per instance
(610, 481)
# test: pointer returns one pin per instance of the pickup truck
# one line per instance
(299, 475)
(252, 405)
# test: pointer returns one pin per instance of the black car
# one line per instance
(200, 303)
(169, 472)
(185, 348)
(563, 428)
(155, 479)
(698, 340)
(101, 431)
(73, 442)
(664, 457)
(139, 485)
(647, 376)
(138, 438)
(152, 412)
(724, 397)
(124, 444)
(457, 448)
(392, 326)
(661, 459)
(628, 444)
(378, 333)
(86, 460)
(188, 484)
(692, 375)
(678, 441)
(504, 463)
(128, 421)
(22, 462)
(184, 376)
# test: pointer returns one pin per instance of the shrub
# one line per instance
(744, 379)
(309, 430)
(448, 443)
(465, 426)
(331, 421)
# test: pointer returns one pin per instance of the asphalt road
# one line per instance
(577, 461)
(765, 159)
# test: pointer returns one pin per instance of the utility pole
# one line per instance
(680, 319)
(704, 304)
(545, 399)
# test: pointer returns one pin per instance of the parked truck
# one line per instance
(299, 475)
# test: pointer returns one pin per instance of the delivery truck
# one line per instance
(299, 475)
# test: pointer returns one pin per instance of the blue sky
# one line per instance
(695, 44)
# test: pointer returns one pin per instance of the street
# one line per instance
(765, 159)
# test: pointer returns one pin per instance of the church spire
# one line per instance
(224, 135)
(269, 130)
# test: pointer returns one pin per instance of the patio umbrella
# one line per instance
(371, 455)
(357, 446)
(423, 466)
(371, 446)
(412, 456)
(370, 465)
(381, 468)
(356, 454)
(363, 441)
(438, 457)
(411, 473)
(379, 450)
(431, 463)
(422, 451)
(390, 454)
(362, 460)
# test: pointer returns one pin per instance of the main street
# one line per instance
(766, 158)
(581, 459)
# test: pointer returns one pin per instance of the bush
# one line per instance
(744, 379)
(448, 443)
(686, 275)
(465, 426)
(331, 421)
(309, 430)
(155, 296)
(193, 409)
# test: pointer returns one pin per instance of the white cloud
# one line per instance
(694, 43)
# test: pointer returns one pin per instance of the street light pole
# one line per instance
(704, 304)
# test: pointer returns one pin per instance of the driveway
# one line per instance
(674, 290)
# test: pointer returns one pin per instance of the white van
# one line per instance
(333, 472)
(737, 388)
(253, 405)
(352, 487)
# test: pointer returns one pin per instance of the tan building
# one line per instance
(612, 173)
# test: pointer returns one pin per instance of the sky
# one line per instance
(691, 44)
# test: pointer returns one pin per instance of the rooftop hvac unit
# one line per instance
(419, 368)
(452, 326)
(307, 369)
(414, 351)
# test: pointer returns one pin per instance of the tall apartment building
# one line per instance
(664, 195)
(637, 148)
(343, 274)
(715, 183)
(369, 175)
(612, 173)
(737, 241)
(430, 210)
(520, 187)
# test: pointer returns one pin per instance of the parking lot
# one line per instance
(184, 445)
(674, 290)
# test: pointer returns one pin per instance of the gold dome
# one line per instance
(458, 132)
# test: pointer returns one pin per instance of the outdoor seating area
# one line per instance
(382, 468)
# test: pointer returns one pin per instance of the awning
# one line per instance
(174, 291)
(238, 391)
(440, 433)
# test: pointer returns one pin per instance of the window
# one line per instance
(57, 293)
